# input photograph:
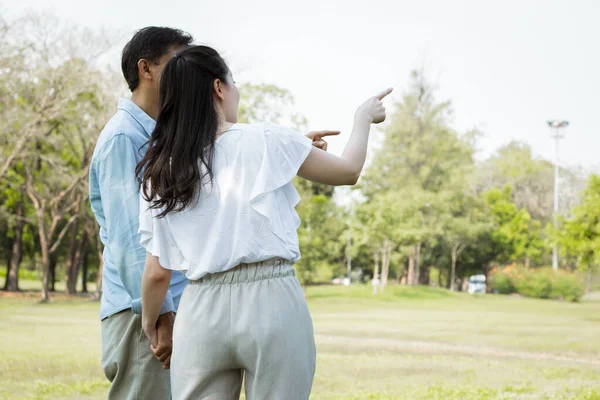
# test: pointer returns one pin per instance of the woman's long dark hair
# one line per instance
(185, 131)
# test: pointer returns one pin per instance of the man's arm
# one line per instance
(120, 202)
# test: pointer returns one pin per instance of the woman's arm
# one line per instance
(322, 167)
(155, 283)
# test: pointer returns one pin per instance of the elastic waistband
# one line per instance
(269, 269)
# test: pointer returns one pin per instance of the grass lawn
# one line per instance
(409, 343)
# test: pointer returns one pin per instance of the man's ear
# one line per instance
(144, 69)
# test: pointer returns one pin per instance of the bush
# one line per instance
(567, 286)
(541, 283)
(502, 283)
(24, 274)
(535, 283)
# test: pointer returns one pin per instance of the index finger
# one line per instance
(381, 95)
(325, 133)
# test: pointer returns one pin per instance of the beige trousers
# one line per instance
(128, 363)
(250, 320)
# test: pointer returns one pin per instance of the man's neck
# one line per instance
(147, 103)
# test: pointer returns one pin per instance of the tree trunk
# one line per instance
(487, 269)
(98, 293)
(389, 257)
(79, 258)
(385, 266)
(45, 279)
(418, 264)
(12, 274)
(12, 278)
(53, 262)
(47, 236)
(7, 264)
(453, 273)
(383, 280)
(411, 267)
(45, 255)
(73, 273)
(71, 264)
(376, 272)
(84, 273)
(7, 252)
(425, 279)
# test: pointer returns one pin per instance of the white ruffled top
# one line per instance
(246, 215)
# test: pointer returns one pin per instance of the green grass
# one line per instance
(35, 285)
(408, 343)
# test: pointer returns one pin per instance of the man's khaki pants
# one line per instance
(128, 362)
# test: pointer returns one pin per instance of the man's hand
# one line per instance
(164, 339)
(317, 138)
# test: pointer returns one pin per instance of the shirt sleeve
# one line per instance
(284, 152)
(119, 192)
(156, 237)
(274, 195)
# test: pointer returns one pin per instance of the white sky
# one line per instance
(507, 66)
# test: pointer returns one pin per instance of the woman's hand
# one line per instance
(372, 111)
(317, 138)
(151, 333)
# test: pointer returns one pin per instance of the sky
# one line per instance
(506, 66)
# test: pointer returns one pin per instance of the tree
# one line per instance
(14, 207)
(375, 228)
(531, 180)
(515, 237)
(463, 224)
(322, 221)
(419, 159)
(320, 235)
(55, 104)
(266, 102)
(579, 235)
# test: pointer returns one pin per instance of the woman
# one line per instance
(217, 202)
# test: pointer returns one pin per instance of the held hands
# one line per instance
(161, 338)
(372, 110)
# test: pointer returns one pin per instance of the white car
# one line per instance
(476, 284)
(341, 281)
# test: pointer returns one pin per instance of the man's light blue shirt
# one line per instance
(114, 195)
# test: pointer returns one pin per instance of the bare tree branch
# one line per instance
(35, 199)
(62, 233)
(60, 196)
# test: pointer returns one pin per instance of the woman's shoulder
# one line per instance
(242, 130)
(261, 132)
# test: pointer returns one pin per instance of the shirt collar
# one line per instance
(138, 114)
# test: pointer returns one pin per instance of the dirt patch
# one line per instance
(437, 348)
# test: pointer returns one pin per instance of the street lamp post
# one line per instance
(556, 127)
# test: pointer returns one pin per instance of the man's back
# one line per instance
(115, 202)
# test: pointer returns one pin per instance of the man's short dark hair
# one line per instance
(150, 43)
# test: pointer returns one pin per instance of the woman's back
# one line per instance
(246, 214)
(247, 318)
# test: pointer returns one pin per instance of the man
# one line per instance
(135, 370)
